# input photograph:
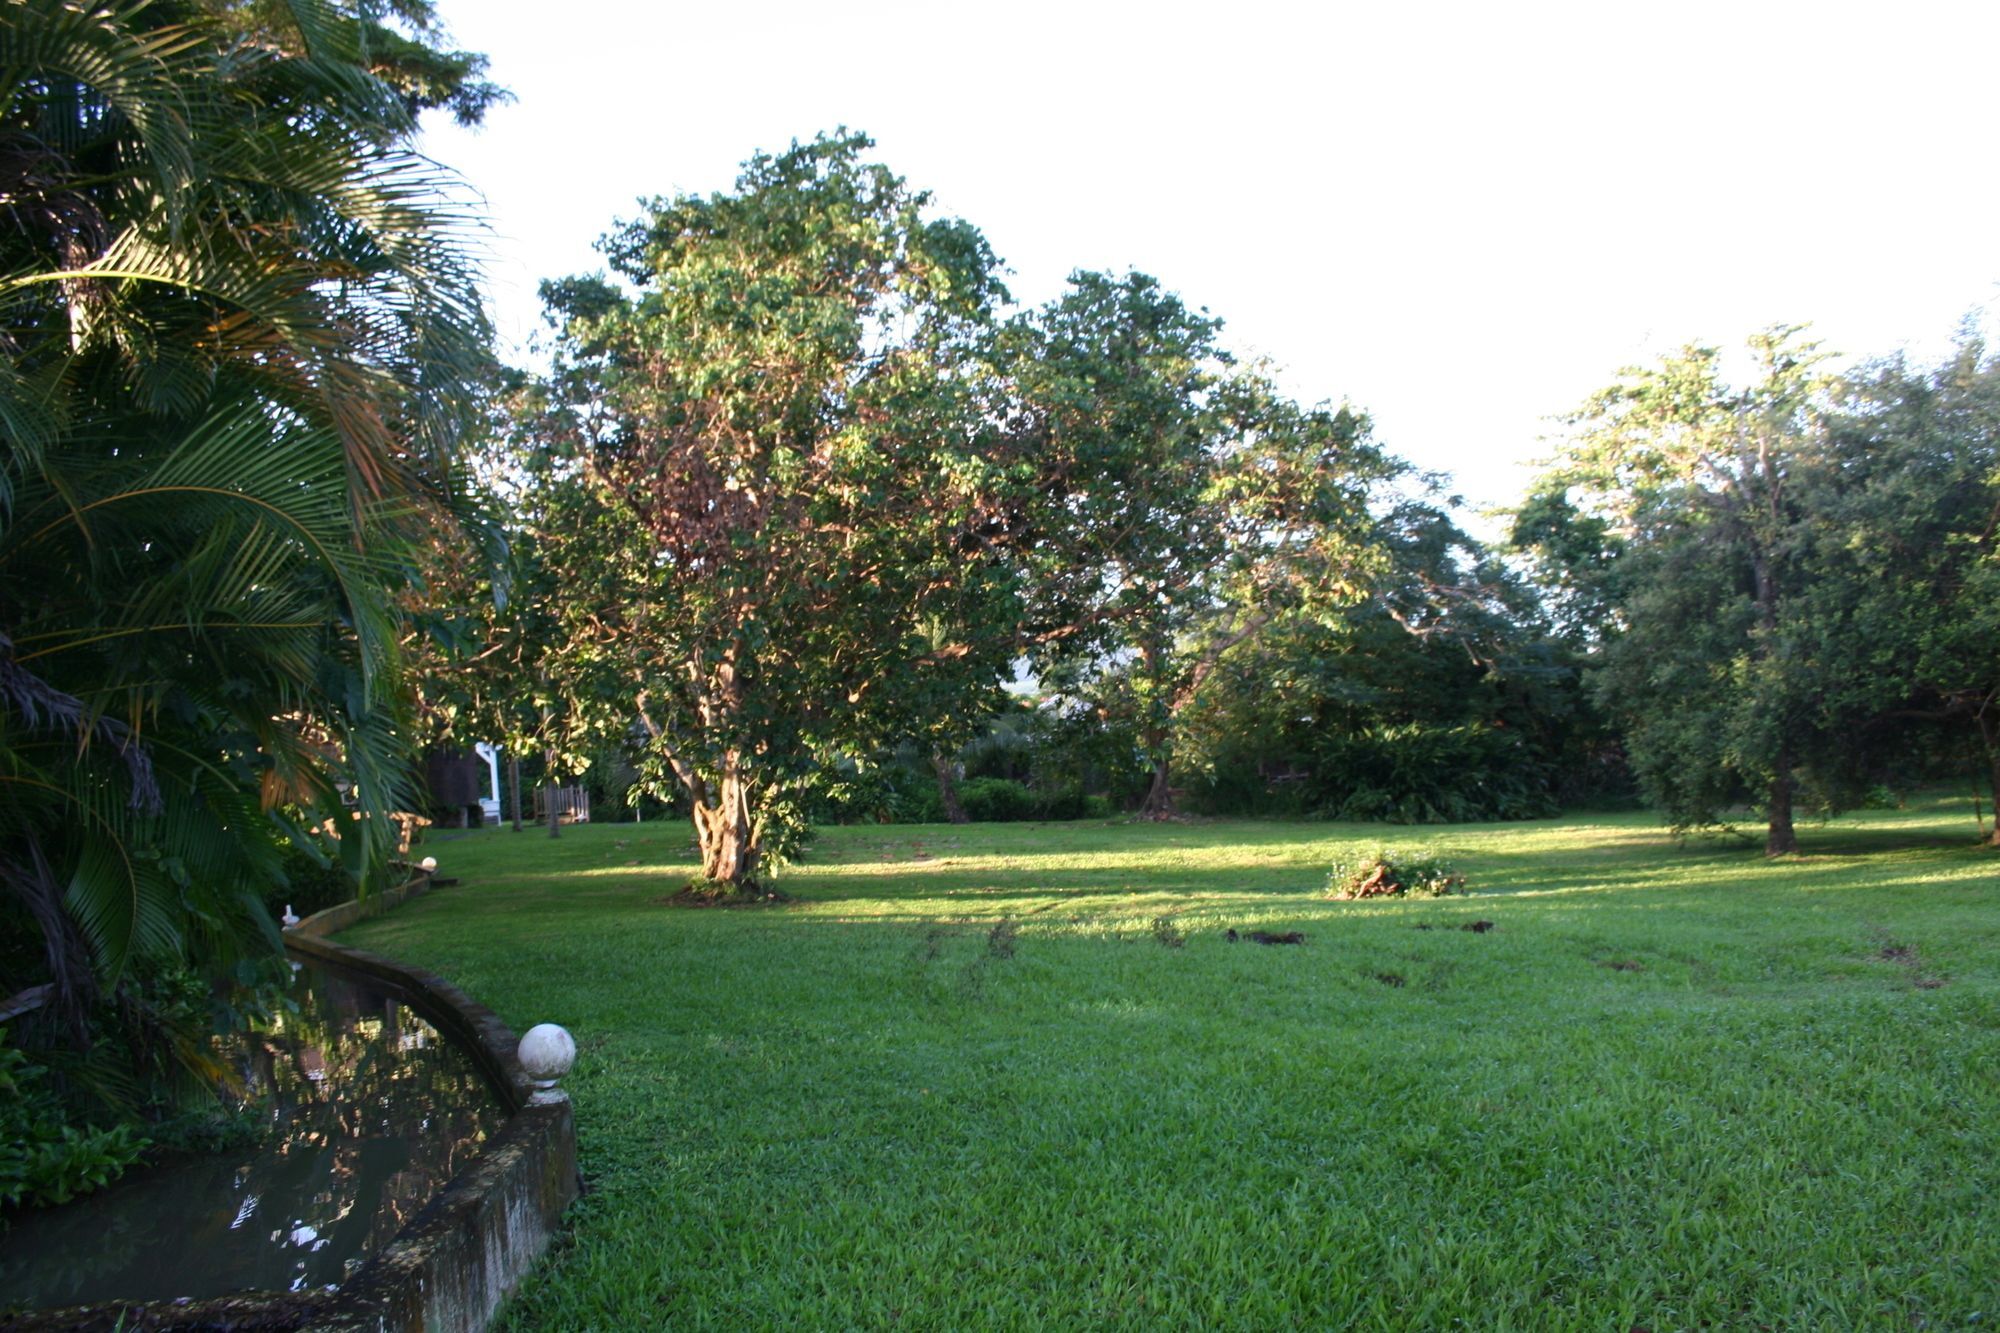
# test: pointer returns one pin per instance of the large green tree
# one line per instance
(1775, 575)
(780, 479)
(1443, 697)
(1905, 561)
(240, 326)
(1701, 483)
(1184, 505)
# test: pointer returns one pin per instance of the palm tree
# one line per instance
(238, 329)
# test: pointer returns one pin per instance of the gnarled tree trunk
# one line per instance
(514, 785)
(1989, 735)
(549, 798)
(725, 830)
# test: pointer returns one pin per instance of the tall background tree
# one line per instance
(1184, 506)
(1701, 484)
(1444, 696)
(1907, 567)
(1783, 583)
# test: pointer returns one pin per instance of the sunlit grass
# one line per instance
(957, 1080)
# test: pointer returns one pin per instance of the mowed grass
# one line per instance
(960, 1081)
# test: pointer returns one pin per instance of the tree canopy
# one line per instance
(785, 478)
(1775, 571)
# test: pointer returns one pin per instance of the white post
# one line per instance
(491, 755)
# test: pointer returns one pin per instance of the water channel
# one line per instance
(368, 1112)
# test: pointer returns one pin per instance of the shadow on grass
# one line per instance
(1015, 869)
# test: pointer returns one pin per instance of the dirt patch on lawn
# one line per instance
(1908, 958)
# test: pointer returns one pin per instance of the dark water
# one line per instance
(370, 1113)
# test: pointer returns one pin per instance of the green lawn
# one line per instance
(959, 1080)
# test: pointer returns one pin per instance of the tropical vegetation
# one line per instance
(241, 333)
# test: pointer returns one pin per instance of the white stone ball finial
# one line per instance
(546, 1053)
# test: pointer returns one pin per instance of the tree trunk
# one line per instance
(1160, 796)
(1993, 790)
(947, 784)
(725, 831)
(73, 981)
(514, 785)
(1782, 840)
(1989, 735)
(549, 786)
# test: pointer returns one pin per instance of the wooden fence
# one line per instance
(572, 804)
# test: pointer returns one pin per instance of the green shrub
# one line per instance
(1066, 802)
(1235, 787)
(1391, 874)
(42, 1159)
(923, 806)
(310, 883)
(1419, 774)
(996, 801)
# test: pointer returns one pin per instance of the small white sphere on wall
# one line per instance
(546, 1053)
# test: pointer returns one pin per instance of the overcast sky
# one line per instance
(1460, 218)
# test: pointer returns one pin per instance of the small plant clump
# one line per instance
(1391, 874)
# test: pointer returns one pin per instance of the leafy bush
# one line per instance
(996, 801)
(1419, 774)
(892, 793)
(1236, 787)
(1391, 874)
(922, 807)
(310, 884)
(42, 1159)
(1060, 803)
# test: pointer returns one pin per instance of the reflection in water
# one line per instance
(370, 1113)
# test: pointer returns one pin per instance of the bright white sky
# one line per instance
(1461, 218)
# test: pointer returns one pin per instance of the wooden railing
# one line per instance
(572, 804)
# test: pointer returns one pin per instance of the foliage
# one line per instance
(1188, 505)
(773, 488)
(1416, 774)
(313, 880)
(1907, 558)
(1706, 489)
(45, 1159)
(241, 328)
(1445, 697)
(997, 801)
(1787, 577)
(1385, 873)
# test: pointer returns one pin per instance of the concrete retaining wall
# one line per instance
(456, 1260)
